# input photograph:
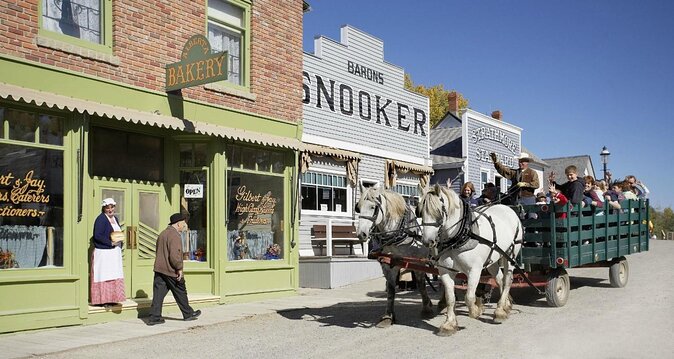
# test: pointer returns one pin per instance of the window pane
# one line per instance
(248, 158)
(200, 154)
(186, 155)
(325, 199)
(31, 226)
(76, 18)
(119, 198)
(309, 198)
(224, 39)
(22, 125)
(195, 242)
(340, 199)
(255, 217)
(225, 12)
(263, 161)
(119, 154)
(51, 130)
(278, 164)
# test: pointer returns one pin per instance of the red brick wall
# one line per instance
(148, 34)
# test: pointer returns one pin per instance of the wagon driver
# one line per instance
(524, 179)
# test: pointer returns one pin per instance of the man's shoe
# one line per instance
(154, 321)
(194, 315)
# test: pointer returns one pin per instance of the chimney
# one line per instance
(453, 100)
(497, 115)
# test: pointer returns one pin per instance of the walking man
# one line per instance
(168, 272)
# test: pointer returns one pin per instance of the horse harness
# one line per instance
(396, 236)
(465, 233)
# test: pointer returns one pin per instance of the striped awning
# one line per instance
(52, 100)
(329, 151)
(406, 166)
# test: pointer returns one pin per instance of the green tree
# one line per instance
(662, 221)
(437, 99)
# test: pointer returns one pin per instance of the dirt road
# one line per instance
(597, 322)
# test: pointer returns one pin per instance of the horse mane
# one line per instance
(396, 204)
(432, 204)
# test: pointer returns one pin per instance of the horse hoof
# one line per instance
(474, 312)
(445, 331)
(385, 323)
(500, 315)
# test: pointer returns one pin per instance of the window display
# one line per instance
(31, 191)
(255, 213)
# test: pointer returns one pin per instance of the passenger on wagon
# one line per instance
(591, 196)
(558, 200)
(467, 194)
(573, 189)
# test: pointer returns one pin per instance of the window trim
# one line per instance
(349, 195)
(223, 86)
(106, 31)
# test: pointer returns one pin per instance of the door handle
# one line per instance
(131, 235)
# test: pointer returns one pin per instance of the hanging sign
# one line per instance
(198, 65)
(193, 191)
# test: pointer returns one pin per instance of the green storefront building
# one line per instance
(83, 120)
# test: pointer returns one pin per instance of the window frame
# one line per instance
(244, 61)
(408, 197)
(67, 245)
(106, 31)
(349, 194)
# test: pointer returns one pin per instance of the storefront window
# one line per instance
(31, 193)
(121, 154)
(255, 213)
(324, 192)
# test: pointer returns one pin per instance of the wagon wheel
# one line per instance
(619, 273)
(557, 288)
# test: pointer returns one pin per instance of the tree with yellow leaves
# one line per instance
(437, 97)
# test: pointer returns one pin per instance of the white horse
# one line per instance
(465, 241)
(386, 219)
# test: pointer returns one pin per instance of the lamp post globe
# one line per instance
(604, 158)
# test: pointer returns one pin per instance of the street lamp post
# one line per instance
(604, 159)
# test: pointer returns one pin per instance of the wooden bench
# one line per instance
(344, 235)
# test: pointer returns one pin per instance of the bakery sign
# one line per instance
(197, 66)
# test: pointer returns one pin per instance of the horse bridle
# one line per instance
(437, 223)
(373, 217)
(464, 230)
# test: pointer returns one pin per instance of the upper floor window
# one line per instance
(88, 21)
(228, 28)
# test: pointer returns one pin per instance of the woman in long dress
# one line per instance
(107, 273)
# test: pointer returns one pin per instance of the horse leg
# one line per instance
(504, 303)
(442, 303)
(450, 326)
(427, 305)
(391, 275)
(475, 307)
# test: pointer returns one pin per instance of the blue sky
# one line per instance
(575, 75)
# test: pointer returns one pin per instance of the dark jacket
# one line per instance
(572, 190)
(102, 231)
(169, 256)
(528, 176)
